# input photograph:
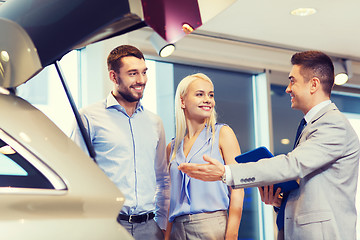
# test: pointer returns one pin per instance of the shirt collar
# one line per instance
(315, 110)
(111, 102)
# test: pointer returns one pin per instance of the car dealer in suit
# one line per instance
(325, 160)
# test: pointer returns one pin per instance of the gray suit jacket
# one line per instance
(326, 160)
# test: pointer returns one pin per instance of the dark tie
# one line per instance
(299, 130)
(281, 212)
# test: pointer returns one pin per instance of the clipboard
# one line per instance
(260, 153)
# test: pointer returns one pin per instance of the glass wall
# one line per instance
(285, 120)
(233, 95)
(46, 92)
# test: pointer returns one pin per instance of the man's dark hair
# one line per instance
(315, 64)
(114, 59)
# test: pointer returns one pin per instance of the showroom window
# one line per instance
(45, 91)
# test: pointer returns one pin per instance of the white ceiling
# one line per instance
(334, 29)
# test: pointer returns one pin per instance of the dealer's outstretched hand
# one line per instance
(211, 171)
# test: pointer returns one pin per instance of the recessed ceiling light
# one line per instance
(285, 141)
(303, 12)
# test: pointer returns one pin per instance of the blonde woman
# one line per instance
(201, 210)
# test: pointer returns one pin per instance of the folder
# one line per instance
(260, 153)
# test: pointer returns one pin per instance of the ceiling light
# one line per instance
(167, 50)
(162, 47)
(343, 71)
(341, 78)
(187, 28)
(285, 141)
(303, 12)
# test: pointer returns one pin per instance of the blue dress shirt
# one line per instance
(131, 151)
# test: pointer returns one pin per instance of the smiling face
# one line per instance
(130, 81)
(199, 102)
(299, 90)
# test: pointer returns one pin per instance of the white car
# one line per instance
(49, 188)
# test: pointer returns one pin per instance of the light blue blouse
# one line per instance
(192, 196)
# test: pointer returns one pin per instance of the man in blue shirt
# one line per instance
(129, 142)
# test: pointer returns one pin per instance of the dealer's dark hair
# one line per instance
(316, 64)
(114, 59)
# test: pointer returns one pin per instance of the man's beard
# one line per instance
(130, 97)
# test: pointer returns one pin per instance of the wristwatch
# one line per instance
(223, 177)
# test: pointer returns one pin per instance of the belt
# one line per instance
(136, 218)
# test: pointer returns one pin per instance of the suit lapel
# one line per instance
(321, 113)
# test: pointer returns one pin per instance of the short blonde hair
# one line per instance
(180, 123)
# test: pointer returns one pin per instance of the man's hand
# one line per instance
(211, 171)
(268, 196)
